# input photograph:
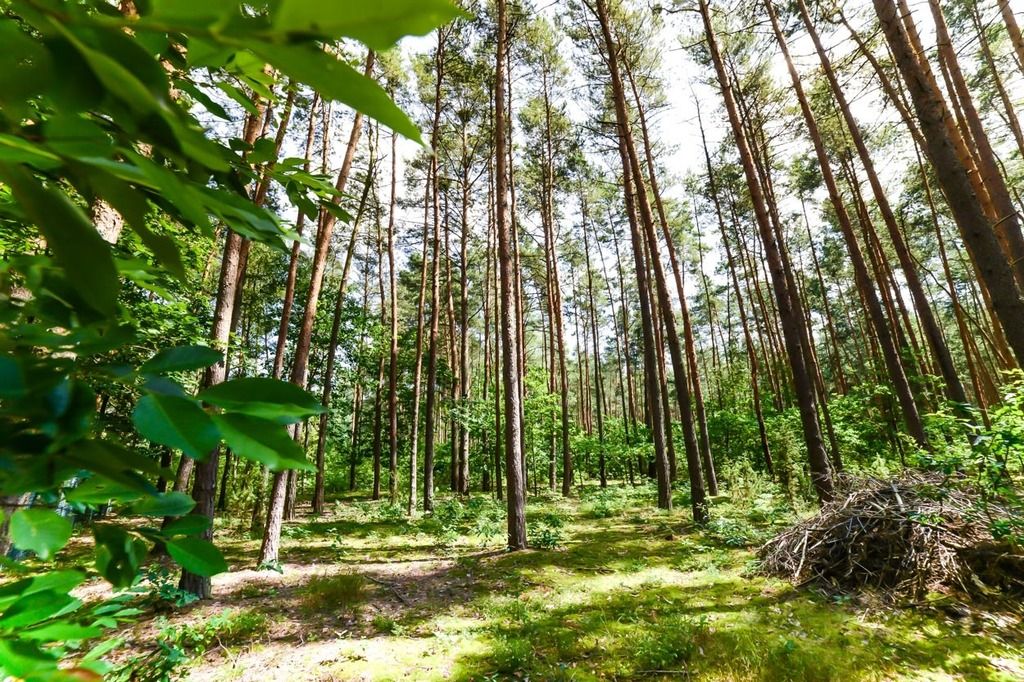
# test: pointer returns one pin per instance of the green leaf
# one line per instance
(101, 649)
(193, 524)
(17, 150)
(115, 462)
(202, 98)
(238, 97)
(195, 13)
(197, 556)
(37, 607)
(118, 554)
(39, 530)
(12, 379)
(181, 358)
(25, 660)
(132, 205)
(75, 136)
(98, 490)
(165, 504)
(25, 69)
(334, 79)
(262, 441)
(263, 150)
(76, 245)
(54, 581)
(181, 196)
(262, 397)
(61, 632)
(178, 423)
(379, 25)
(113, 76)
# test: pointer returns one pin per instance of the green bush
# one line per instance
(389, 512)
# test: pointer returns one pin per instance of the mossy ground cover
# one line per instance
(624, 592)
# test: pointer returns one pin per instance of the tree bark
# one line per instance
(509, 320)
(393, 349)
(964, 203)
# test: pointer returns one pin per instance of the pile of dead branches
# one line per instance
(903, 538)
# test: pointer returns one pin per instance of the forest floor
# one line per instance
(627, 592)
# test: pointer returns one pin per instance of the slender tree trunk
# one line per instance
(890, 352)
(1013, 29)
(704, 442)
(205, 483)
(631, 165)
(652, 389)
(270, 546)
(748, 340)
(965, 205)
(596, 339)
(332, 347)
(1008, 227)
(791, 323)
(462, 478)
(509, 320)
(393, 350)
(932, 330)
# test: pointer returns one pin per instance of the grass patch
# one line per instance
(630, 592)
(344, 592)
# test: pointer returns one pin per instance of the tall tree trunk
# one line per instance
(509, 321)
(393, 316)
(631, 165)
(1013, 29)
(704, 442)
(596, 339)
(964, 203)
(890, 353)
(1008, 227)
(791, 323)
(752, 361)
(418, 371)
(932, 330)
(270, 546)
(332, 346)
(652, 389)
(558, 364)
(462, 478)
(435, 287)
(204, 486)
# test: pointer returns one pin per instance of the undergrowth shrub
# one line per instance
(225, 629)
(546, 531)
(160, 588)
(294, 532)
(512, 654)
(454, 517)
(733, 532)
(388, 512)
(176, 645)
(388, 625)
(606, 504)
(488, 517)
(446, 521)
